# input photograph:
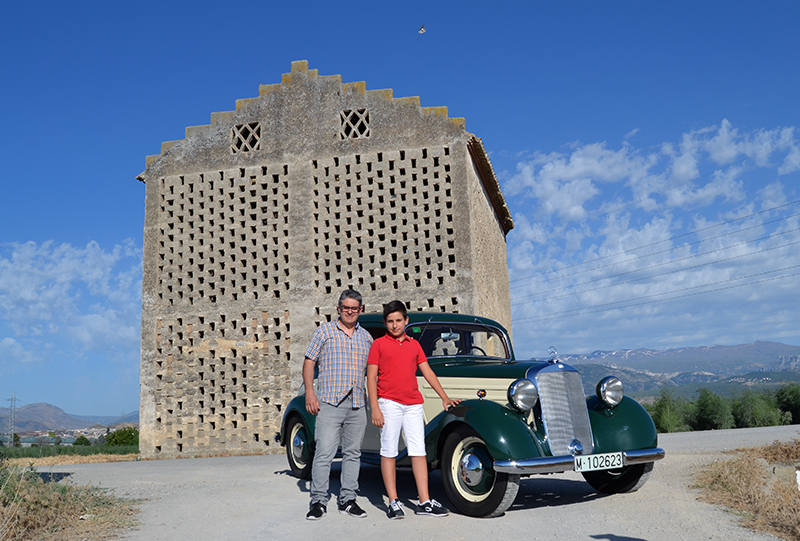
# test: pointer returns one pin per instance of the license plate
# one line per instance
(600, 461)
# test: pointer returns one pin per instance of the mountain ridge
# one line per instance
(43, 416)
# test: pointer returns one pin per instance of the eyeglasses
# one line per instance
(351, 309)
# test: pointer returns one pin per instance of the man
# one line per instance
(339, 349)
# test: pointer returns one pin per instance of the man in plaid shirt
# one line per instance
(339, 349)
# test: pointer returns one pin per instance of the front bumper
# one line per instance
(558, 464)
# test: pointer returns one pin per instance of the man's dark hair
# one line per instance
(351, 294)
(392, 307)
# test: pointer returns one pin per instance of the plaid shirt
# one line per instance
(341, 361)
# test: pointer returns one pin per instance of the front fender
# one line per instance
(297, 407)
(624, 428)
(505, 432)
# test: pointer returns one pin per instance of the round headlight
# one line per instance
(522, 395)
(609, 391)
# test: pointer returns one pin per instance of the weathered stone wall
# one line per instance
(255, 223)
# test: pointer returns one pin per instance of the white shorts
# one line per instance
(410, 419)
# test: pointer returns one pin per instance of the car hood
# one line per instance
(482, 368)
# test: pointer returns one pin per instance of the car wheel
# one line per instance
(299, 450)
(469, 479)
(627, 479)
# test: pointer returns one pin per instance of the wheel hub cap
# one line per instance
(298, 446)
(471, 470)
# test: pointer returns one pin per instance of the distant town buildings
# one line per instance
(255, 223)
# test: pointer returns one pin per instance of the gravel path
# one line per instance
(249, 498)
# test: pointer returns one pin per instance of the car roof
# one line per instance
(373, 318)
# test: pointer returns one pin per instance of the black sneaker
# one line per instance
(351, 508)
(432, 508)
(395, 510)
(316, 512)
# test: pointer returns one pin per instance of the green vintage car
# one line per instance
(517, 418)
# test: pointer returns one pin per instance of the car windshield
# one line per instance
(465, 339)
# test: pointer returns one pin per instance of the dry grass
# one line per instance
(70, 459)
(31, 509)
(759, 484)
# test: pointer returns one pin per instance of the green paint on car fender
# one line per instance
(504, 431)
(297, 407)
(624, 428)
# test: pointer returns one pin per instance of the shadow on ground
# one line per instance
(534, 492)
(53, 477)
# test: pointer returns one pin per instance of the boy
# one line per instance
(396, 402)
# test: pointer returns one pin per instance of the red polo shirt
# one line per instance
(397, 368)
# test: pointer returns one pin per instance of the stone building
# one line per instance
(256, 222)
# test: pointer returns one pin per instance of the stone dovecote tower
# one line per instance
(256, 222)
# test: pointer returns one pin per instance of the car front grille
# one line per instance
(564, 409)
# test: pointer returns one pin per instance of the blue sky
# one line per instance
(648, 151)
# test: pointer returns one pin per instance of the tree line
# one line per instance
(713, 412)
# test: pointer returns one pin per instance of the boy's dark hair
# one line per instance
(392, 307)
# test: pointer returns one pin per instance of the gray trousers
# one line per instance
(334, 424)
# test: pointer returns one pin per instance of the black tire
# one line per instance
(299, 448)
(626, 479)
(470, 482)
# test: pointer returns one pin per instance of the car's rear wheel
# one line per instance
(627, 479)
(470, 482)
(299, 449)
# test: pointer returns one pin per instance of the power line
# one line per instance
(623, 252)
(609, 306)
(665, 263)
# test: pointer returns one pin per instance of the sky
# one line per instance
(649, 153)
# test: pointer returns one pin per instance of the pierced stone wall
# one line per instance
(255, 223)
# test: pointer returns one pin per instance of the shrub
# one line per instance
(788, 398)
(82, 440)
(33, 509)
(752, 409)
(669, 414)
(711, 412)
(124, 436)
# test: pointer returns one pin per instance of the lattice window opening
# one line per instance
(354, 124)
(246, 138)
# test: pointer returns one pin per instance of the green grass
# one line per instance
(57, 450)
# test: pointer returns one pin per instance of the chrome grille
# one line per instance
(564, 409)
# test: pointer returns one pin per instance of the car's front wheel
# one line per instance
(299, 450)
(470, 482)
(627, 479)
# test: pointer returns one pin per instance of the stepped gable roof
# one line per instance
(198, 137)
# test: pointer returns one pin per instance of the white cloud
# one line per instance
(71, 296)
(12, 352)
(104, 330)
(564, 183)
(661, 247)
(792, 161)
(772, 195)
(722, 148)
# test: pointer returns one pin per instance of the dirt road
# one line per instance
(249, 498)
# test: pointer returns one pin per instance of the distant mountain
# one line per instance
(718, 360)
(726, 370)
(41, 416)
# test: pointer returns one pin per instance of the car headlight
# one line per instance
(610, 391)
(522, 395)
